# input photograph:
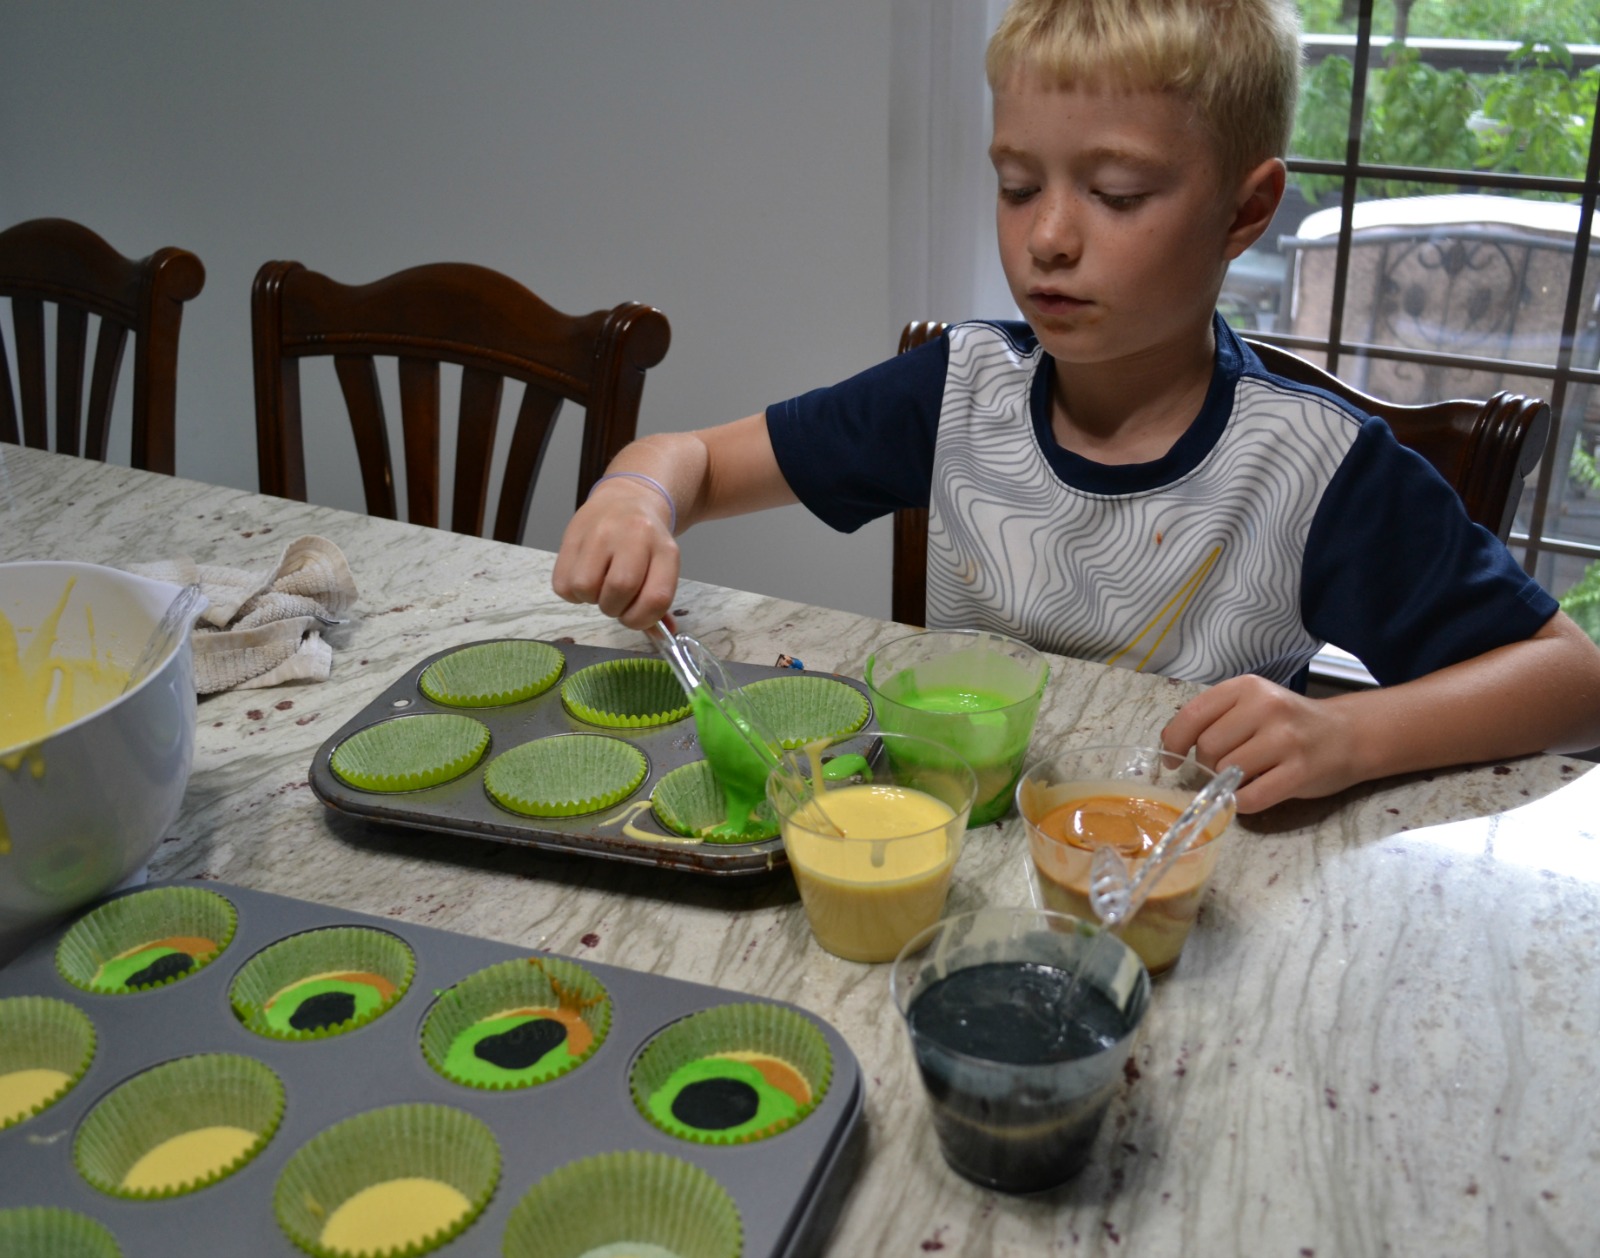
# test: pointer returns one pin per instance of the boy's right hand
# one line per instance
(618, 552)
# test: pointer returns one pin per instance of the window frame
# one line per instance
(1534, 542)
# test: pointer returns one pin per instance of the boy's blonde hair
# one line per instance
(1237, 61)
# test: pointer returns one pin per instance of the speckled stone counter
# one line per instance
(1382, 1038)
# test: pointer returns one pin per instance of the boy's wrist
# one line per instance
(653, 484)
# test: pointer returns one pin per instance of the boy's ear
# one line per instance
(1255, 202)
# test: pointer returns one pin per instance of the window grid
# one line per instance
(1563, 375)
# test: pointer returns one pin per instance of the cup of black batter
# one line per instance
(1020, 1021)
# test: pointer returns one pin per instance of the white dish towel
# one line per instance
(264, 625)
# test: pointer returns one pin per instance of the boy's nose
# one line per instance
(1055, 236)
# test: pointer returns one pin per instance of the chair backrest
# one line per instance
(1484, 449)
(52, 260)
(490, 326)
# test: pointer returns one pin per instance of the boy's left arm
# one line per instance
(1540, 694)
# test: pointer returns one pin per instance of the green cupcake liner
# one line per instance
(167, 1103)
(320, 983)
(52, 1232)
(625, 694)
(410, 753)
(147, 939)
(801, 710)
(565, 775)
(628, 1203)
(46, 1045)
(689, 801)
(694, 1053)
(492, 674)
(468, 1037)
(360, 1155)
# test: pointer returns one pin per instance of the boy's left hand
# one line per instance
(1289, 746)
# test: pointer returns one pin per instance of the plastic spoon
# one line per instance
(1115, 897)
(740, 748)
(168, 632)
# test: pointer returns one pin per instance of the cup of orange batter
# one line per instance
(872, 836)
(1126, 797)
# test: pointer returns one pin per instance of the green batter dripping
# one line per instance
(730, 747)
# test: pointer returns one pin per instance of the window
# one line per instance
(1467, 166)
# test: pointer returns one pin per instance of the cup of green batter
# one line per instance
(972, 690)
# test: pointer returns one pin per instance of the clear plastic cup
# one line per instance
(974, 691)
(1127, 796)
(873, 857)
(1019, 1061)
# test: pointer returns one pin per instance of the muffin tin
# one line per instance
(462, 806)
(786, 1187)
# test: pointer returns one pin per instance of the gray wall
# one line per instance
(725, 160)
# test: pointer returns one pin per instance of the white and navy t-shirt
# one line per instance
(1282, 519)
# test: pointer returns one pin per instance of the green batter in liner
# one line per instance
(732, 1073)
(518, 1023)
(322, 982)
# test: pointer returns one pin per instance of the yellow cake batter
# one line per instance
(190, 1156)
(393, 1215)
(865, 899)
(41, 691)
(21, 1090)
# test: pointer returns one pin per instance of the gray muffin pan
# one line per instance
(463, 807)
(787, 1187)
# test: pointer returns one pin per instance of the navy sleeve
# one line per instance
(863, 448)
(1398, 575)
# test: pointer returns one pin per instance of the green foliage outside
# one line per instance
(1582, 600)
(1563, 21)
(1534, 117)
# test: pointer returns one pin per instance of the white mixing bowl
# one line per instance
(82, 810)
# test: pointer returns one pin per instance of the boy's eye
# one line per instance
(1016, 195)
(1121, 200)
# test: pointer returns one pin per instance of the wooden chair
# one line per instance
(447, 312)
(60, 262)
(1484, 449)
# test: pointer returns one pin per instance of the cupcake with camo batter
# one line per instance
(516, 1024)
(732, 1074)
(322, 982)
(145, 940)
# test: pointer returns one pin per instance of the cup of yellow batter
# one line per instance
(974, 691)
(1127, 797)
(872, 836)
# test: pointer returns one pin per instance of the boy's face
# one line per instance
(1115, 226)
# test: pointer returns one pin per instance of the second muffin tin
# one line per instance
(463, 807)
(786, 1187)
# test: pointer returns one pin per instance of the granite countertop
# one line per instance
(1382, 1037)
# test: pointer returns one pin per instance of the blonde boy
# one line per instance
(1119, 478)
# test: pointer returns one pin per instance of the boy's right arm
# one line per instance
(619, 551)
